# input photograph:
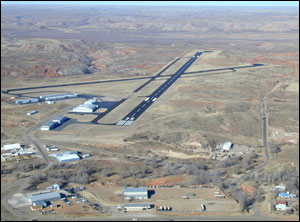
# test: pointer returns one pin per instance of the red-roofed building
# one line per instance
(281, 205)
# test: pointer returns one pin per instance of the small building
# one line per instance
(281, 205)
(60, 119)
(283, 195)
(281, 188)
(39, 198)
(227, 146)
(56, 187)
(65, 157)
(135, 193)
(136, 207)
(12, 146)
(49, 125)
(31, 112)
(86, 155)
(190, 195)
(49, 102)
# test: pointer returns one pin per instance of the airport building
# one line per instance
(136, 207)
(49, 126)
(60, 119)
(135, 193)
(85, 108)
(58, 96)
(25, 101)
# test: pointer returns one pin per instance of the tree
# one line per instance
(258, 196)
(106, 172)
(243, 201)
(274, 148)
(133, 170)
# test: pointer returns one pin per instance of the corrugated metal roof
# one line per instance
(46, 124)
(137, 205)
(59, 118)
(45, 197)
(135, 189)
(227, 145)
(280, 202)
(68, 157)
(12, 146)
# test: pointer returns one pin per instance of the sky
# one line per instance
(161, 3)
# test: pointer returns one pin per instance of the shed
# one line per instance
(56, 186)
(281, 205)
(282, 188)
(227, 146)
(190, 195)
(86, 155)
(283, 195)
(31, 112)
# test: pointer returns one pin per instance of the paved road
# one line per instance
(144, 105)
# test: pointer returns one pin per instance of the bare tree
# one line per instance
(106, 172)
(243, 201)
(274, 148)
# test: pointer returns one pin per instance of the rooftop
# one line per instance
(59, 118)
(49, 124)
(137, 205)
(135, 189)
(44, 196)
(67, 157)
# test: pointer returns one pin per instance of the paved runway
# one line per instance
(144, 105)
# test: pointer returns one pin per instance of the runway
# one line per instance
(144, 105)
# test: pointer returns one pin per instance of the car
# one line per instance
(132, 118)
(135, 219)
(127, 118)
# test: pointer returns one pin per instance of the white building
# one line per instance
(67, 156)
(135, 193)
(136, 207)
(48, 126)
(60, 119)
(281, 205)
(85, 108)
(11, 146)
(31, 112)
(227, 146)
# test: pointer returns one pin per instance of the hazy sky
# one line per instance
(160, 3)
